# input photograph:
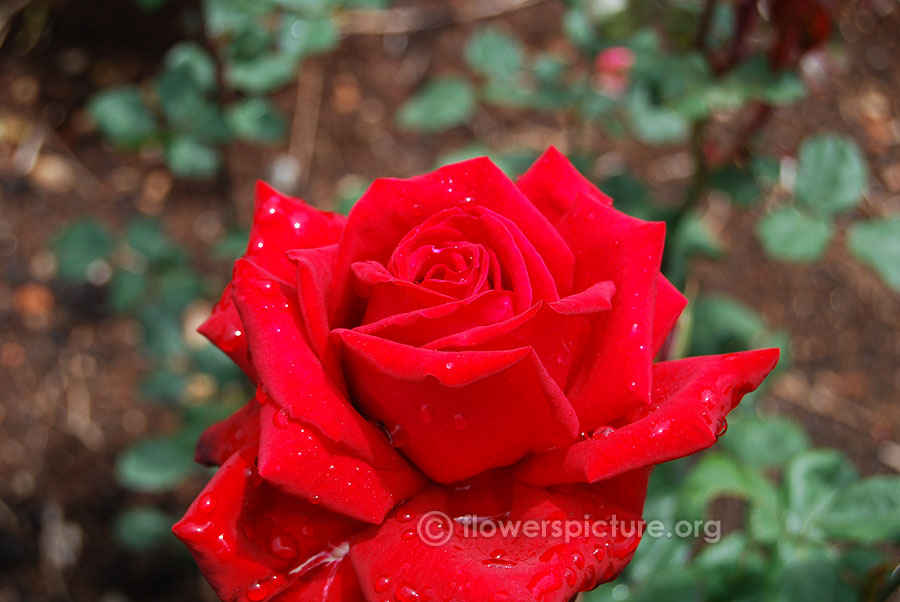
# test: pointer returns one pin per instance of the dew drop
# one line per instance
(407, 535)
(499, 563)
(257, 592)
(425, 413)
(207, 504)
(603, 431)
(460, 423)
(449, 366)
(578, 559)
(721, 427)
(382, 583)
(571, 577)
(543, 582)
(707, 397)
(280, 419)
(404, 517)
(283, 546)
(406, 594)
(632, 386)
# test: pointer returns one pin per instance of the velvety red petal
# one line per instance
(254, 543)
(456, 414)
(691, 398)
(669, 305)
(280, 223)
(295, 457)
(614, 375)
(295, 379)
(556, 330)
(387, 295)
(504, 563)
(224, 438)
(422, 326)
(392, 207)
(552, 183)
(224, 330)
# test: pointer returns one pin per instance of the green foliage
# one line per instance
(122, 117)
(877, 244)
(494, 54)
(832, 175)
(256, 120)
(155, 465)
(443, 103)
(791, 236)
(79, 245)
(142, 528)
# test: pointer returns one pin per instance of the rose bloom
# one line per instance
(460, 346)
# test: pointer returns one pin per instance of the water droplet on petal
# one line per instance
(207, 504)
(257, 592)
(406, 593)
(632, 386)
(425, 413)
(603, 431)
(544, 582)
(382, 583)
(459, 422)
(449, 366)
(283, 546)
(407, 535)
(280, 419)
(721, 427)
(707, 397)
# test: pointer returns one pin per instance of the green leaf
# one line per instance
(804, 573)
(154, 465)
(196, 60)
(79, 245)
(256, 120)
(877, 243)
(122, 116)
(188, 158)
(739, 184)
(186, 106)
(867, 511)
(178, 287)
(308, 7)
(441, 104)
(494, 53)
(126, 291)
(305, 37)
(147, 236)
(724, 325)
(144, 528)
(261, 74)
(788, 235)
(770, 442)
(654, 124)
(832, 174)
(812, 480)
(163, 386)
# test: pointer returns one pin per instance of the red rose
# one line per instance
(459, 346)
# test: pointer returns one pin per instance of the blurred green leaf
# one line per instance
(163, 386)
(739, 184)
(232, 245)
(79, 245)
(147, 236)
(770, 442)
(155, 465)
(304, 37)
(261, 74)
(724, 325)
(867, 511)
(812, 480)
(122, 116)
(143, 528)
(494, 53)
(804, 573)
(187, 108)
(191, 159)
(126, 290)
(654, 124)
(832, 174)
(788, 235)
(196, 60)
(177, 288)
(877, 244)
(256, 120)
(441, 104)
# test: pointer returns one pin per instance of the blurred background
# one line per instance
(767, 135)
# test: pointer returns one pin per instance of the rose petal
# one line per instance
(669, 305)
(224, 438)
(416, 328)
(536, 562)
(388, 295)
(552, 183)
(691, 398)
(295, 457)
(457, 414)
(392, 207)
(555, 330)
(254, 543)
(614, 375)
(280, 223)
(293, 377)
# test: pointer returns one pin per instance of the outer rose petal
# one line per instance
(392, 207)
(692, 396)
(669, 305)
(295, 379)
(254, 543)
(553, 184)
(615, 373)
(388, 296)
(224, 438)
(396, 563)
(458, 414)
(280, 223)
(295, 457)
